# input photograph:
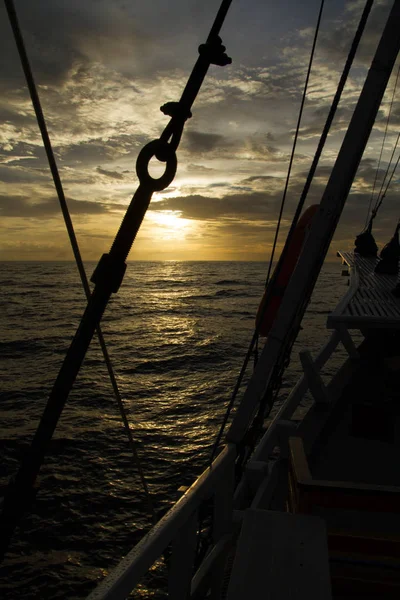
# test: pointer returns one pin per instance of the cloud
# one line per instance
(256, 206)
(104, 68)
(198, 142)
(19, 206)
(111, 174)
(195, 168)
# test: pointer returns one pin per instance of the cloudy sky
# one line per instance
(104, 67)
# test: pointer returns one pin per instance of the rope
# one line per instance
(328, 122)
(295, 139)
(71, 233)
(254, 339)
(390, 178)
(107, 278)
(381, 195)
(381, 152)
(285, 359)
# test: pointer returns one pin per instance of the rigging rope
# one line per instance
(381, 195)
(295, 140)
(328, 123)
(71, 233)
(109, 274)
(254, 339)
(381, 152)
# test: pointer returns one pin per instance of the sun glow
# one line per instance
(173, 226)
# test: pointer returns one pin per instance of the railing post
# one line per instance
(182, 560)
(347, 342)
(314, 379)
(222, 524)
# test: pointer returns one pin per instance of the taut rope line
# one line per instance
(381, 152)
(109, 274)
(71, 232)
(328, 123)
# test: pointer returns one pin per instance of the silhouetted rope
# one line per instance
(109, 275)
(381, 193)
(300, 206)
(256, 332)
(71, 233)
(295, 141)
(382, 147)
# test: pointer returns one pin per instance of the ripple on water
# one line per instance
(177, 334)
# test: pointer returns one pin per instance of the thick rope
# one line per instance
(71, 233)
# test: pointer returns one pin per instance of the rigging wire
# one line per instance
(254, 339)
(391, 176)
(71, 233)
(328, 123)
(381, 152)
(295, 139)
(382, 194)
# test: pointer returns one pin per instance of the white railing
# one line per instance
(177, 530)
(308, 381)
(260, 474)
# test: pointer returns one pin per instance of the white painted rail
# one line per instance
(288, 408)
(178, 530)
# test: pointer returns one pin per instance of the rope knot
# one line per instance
(176, 111)
(214, 52)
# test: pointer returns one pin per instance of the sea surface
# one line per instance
(177, 334)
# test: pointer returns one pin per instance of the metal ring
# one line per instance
(156, 148)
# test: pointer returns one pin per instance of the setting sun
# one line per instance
(171, 223)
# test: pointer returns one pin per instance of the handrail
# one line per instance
(354, 285)
(292, 401)
(216, 480)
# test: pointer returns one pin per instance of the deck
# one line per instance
(369, 303)
(351, 478)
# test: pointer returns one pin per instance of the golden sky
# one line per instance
(103, 71)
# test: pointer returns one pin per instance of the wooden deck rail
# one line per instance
(178, 529)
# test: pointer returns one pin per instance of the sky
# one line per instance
(104, 68)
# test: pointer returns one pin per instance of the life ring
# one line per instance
(283, 271)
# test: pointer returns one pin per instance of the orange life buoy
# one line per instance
(283, 271)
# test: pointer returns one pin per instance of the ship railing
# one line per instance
(175, 537)
(259, 480)
(310, 381)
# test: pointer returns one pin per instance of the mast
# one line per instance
(301, 285)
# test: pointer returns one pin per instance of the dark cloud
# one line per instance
(334, 44)
(256, 205)
(258, 179)
(194, 168)
(198, 142)
(19, 206)
(90, 152)
(111, 174)
(101, 65)
(18, 174)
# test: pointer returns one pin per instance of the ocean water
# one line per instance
(177, 334)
